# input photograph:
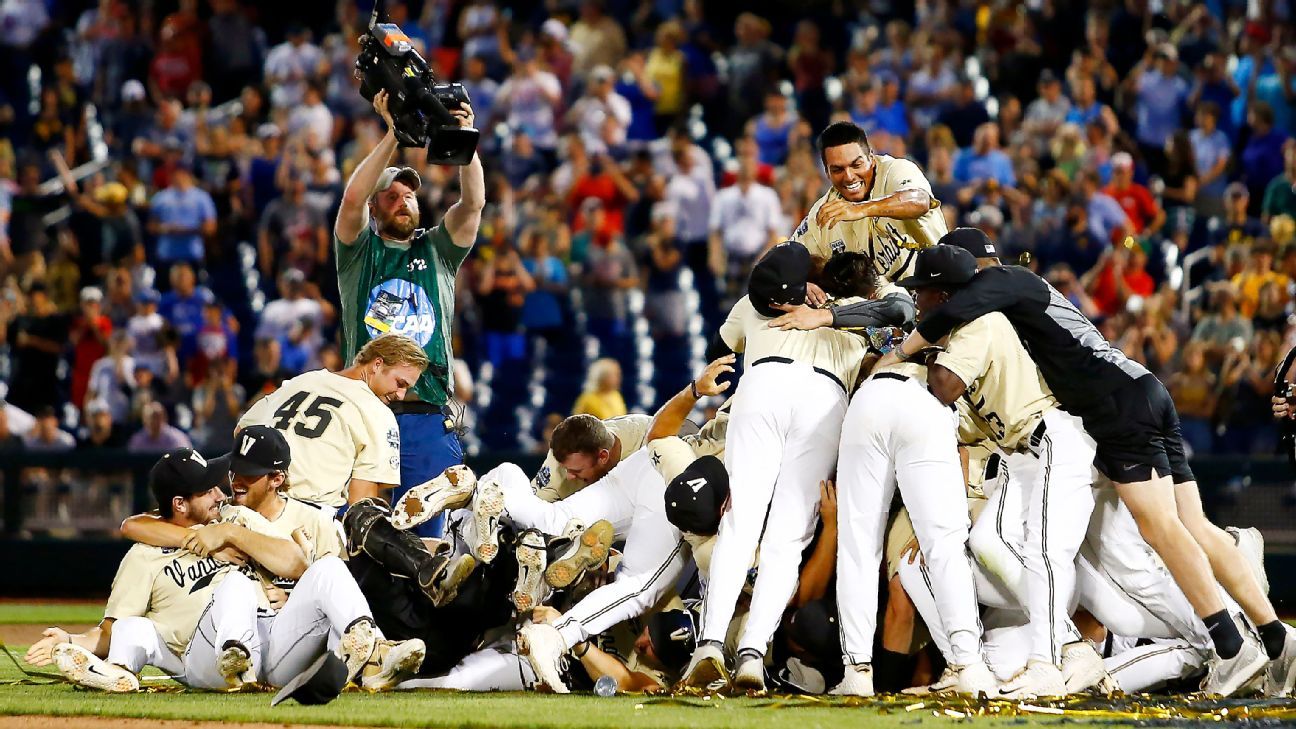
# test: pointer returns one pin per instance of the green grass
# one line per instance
(53, 614)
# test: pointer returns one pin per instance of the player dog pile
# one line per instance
(913, 419)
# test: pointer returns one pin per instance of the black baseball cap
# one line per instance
(258, 450)
(972, 240)
(184, 472)
(674, 636)
(779, 278)
(814, 627)
(695, 497)
(318, 684)
(941, 266)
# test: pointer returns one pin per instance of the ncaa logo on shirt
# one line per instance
(542, 478)
(397, 306)
(838, 246)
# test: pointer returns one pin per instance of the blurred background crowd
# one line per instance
(170, 172)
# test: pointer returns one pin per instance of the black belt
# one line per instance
(788, 360)
(891, 376)
(419, 407)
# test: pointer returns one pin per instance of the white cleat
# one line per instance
(856, 681)
(1082, 667)
(235, 665)
(1227, 677)
(530, 590)
(749, 674)
(359, 641)
(84, 668)
(586, 551)
(946, 683)
(450, 490)
(487, 507)
(543, 648)
(975, 679)
(1251, 543)
(1037, 680)
(1280, 674)
(706, 669)
(447, 588)
(392, 663)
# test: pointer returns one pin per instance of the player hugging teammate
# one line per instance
(881, 355)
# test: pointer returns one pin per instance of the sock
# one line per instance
(1274, 637)
(1224, 632)
(745, 652)
(891, 671)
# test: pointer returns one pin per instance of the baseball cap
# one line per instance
(972, 240)
(602, 73)
(97, 405)
(941, 266)
(695, 497)
(1236, 189)
(322, 682)
(148, 296)
(814, 628)
(91, 293)
(406, 175)
(258, 450)
(133, 90)
(1122, 159)
(779, 278)
(184, 472)
(554, 28)
(267, 130)
(112, 193)
(1047, 77)
(674, 636)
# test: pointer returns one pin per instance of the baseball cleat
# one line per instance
(530, 590)
(947, 682)
(235, 665)
(450, 490)
(1280, 674)
(359, 641)
(1082, 667)
(1227, 677)
(1037, 680)
(543, 648)
(1251, 543)
(84, 668)
(856, 681)
(392, 663)
(749, 674)
(487, 507)
(459, 569)
(706, 670)
(975, 679)
(585, 552)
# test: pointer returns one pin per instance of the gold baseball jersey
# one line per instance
(1004, 386)
(337, 430)
(891, 243)
(748, 333)
(310, 526)
(710, 439)
(552, 483)
(170, 587)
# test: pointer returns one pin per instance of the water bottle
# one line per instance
(605, 686)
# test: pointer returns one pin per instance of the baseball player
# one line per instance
(784, 422)
(897, 434)
(343, 435)
(1130, 415)
(205, 622)
(583, 449)
(858, 300)
(878, 204)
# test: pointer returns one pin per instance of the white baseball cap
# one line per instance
(407, 175)
(132, 90)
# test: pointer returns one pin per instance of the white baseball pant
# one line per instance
(897, 434)
(1149, 667)
(782, 438)
(495, 668)
(997, 538)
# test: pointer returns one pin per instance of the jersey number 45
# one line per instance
(320, 411)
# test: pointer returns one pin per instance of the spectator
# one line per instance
(23, 253)
(287, 220)
(663, 74)
(217, 404)
(1211, 154)
(1086, 108)
(810, 64)
(1144, 214)
(665, 302)
(931, 86)
(502, 288)
(596, 39)
(1107, 219)
(1271, 313)
(1246, 381)
(217, 341)
(182, 308)
(146, 329)
(261, 179)
(37, 339)
(600, 104)
(293, 306)
(479, 27)
(1159, 103)
(745, 221)
(1259, 271)
(119, 302)
(112, 376)
(609, 274)
(529, 100)
(1047, 113)
(1221, 329)
(89, 339)
(176, 65)
(45, 436)
(753, 69)
(1262, 157)
(1180, 192)
(290, 66)
(1214, 86)
(1121, 276)
(602, 179)
(773, 129)
(542, 311)
(601, 396)
(1280, 195)
(482, 89)
(554, 51)
(236, 52)
(311, 120)
(1277, 89)
(965, 114)
(100, 431)
(1194, 391)
(157, 435)
(166, 132)
(129, 122)
(1238, 227)
(690, 191)
(267, 371)
(984, 161)
(181, 216)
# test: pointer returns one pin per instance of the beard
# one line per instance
(399, 225)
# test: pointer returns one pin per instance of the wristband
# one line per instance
(693, 389)
(581, 654)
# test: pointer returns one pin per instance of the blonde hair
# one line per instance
(394, 350)
(597, 370)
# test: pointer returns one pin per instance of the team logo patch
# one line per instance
(397, 306)
(838, 246)
(542, 478)
(393, 439)
(802, 228)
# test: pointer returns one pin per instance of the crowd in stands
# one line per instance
(639, 157)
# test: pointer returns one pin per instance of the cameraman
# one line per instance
(396, 277)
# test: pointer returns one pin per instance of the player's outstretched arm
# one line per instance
(463, 218)
(281, 557)
(95, 640)
(353, 214)
(903, 205)
(669, 417)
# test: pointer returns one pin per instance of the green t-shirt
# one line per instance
(405, 289)
(1280, 197)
